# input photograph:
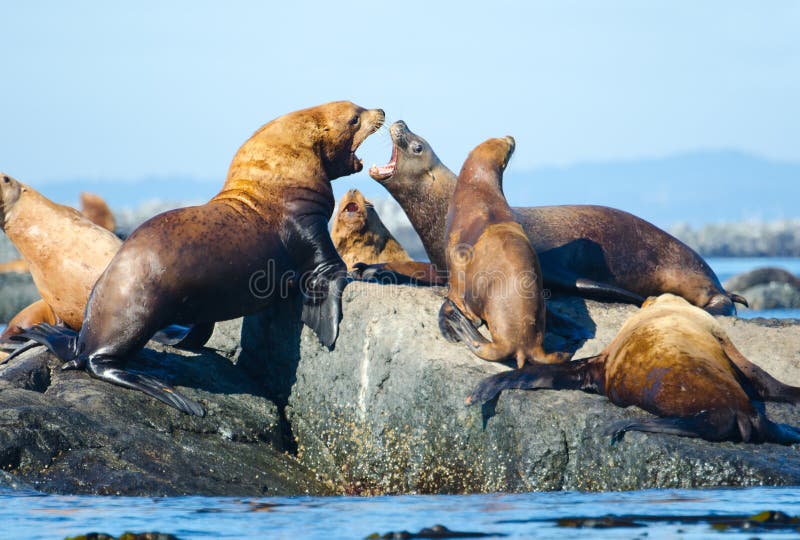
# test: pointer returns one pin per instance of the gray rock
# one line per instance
(773, 295)
(384, 412)
(67, 433)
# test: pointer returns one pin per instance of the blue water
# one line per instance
(529, 515)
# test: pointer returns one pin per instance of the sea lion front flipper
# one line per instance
(106, 369)
(323, 274)
(586, 374)
(322, 306)
(184, 337)
(768, 387)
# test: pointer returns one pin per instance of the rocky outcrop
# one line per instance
(16, 292)
(767, 288)
(67, 433)
(382, 413)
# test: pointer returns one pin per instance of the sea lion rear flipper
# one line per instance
(106, 369)
(59, 340)
(558, 277)
(455, 326)
(713, 425)
(399, 273)
(768, 387)
(184, 337)
(586, 374)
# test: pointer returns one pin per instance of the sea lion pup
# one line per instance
(591, 251)
(95, 208)
(494, 272)
(673, 360)
(262, 237)
(369, 249)
(360, 236)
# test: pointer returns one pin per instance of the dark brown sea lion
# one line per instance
(494, 272)
(263, 237)
(592, 251)
(360, 236)
(673, 360)
(95, 208)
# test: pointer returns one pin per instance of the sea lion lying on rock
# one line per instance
(673, 360)
(263, 237)
(493, 270)
(591, 251)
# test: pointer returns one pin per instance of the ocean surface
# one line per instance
(652, 514)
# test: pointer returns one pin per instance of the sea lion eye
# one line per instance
(355, 120)
(416, 148)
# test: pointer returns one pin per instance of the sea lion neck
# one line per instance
(424, 198)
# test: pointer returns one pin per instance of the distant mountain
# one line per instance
(696, 188)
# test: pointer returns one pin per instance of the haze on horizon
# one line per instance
(110, 92)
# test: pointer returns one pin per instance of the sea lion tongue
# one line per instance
(385, 171)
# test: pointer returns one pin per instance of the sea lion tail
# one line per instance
(60, 340)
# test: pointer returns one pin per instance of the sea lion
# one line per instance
(95, 208)
(262, 237)
(494, 272)
(592, 251)
(360, 236)
(97, 211)
(16, 266)
(65, 252)
(673, 360)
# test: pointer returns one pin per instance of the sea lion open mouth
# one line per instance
(351, 207)
(385, 171)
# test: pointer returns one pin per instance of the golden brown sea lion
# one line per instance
(263, 237)
(95, 208)
(17, 266)
(360, 236)
(592, 251)
(65, 252)
(97, 211)
(674, 360)
(494, 272)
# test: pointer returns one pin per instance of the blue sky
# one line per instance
(124, 91)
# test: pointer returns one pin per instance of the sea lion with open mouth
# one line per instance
(590, 251)
(262, 237)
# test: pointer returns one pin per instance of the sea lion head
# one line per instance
(352, 214)
(413, 159)
(665, 300)
(11, 190)
(343, 126)
(489, 159)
